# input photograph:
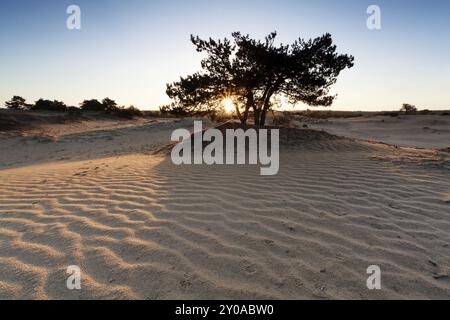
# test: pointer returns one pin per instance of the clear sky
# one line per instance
(129, 49)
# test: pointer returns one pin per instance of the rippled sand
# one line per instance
(141, 228)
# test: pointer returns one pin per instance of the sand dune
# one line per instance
(84, 140)
(418, 131)
(141, 228)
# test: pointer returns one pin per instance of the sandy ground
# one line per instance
(84, 140)
(418, 131)
(96, 196)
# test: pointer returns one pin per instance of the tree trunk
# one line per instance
(266, 103)
(242, 118)
(245, 115)
(249, 104)
(257, 116)
(264, 111)
(263, 118)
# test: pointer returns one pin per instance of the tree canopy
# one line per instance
(17, 103)
(109, 104)
(92, 105)
(254, 74)
(408, 108)
(49, 105)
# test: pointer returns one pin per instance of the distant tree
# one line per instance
(92, 105)
(17, 103)
(408, 108)
(252, 73)
(109, 105)
(49, 105)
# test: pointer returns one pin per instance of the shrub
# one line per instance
(92, 105)
(173, 110)
(152, 113)
(282, 119)
(74, 111)
(48, 105)
(219, 116)
(129, 112)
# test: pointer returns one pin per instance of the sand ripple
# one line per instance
(142, 228)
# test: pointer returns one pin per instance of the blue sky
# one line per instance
(129, 49)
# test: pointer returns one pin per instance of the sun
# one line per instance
(228, 105)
